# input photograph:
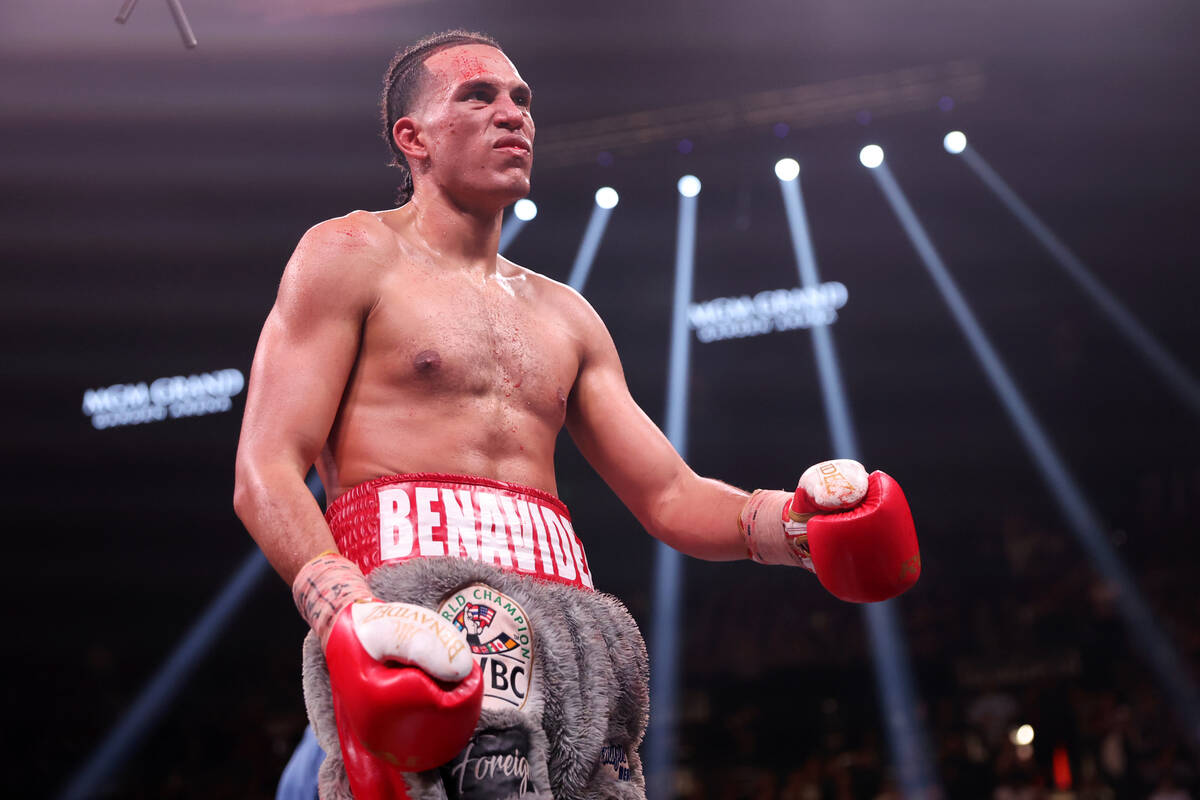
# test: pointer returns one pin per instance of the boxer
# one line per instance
(458, 646)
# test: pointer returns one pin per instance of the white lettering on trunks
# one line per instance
(577, 553)
(480, 525)
(395, 531)
(427, 520)
(557, 539)
(460, 525)
(522, 532)
(493, 532)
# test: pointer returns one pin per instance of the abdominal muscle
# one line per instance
(475, 435)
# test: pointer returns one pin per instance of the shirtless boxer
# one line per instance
(402, 344)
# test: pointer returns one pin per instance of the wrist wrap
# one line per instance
(323, 587)
(773, 535)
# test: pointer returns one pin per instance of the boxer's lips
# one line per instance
(516, 145)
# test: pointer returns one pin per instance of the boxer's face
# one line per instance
(474, 122)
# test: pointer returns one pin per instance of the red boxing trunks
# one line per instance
(395, 518)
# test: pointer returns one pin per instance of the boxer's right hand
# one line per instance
(406, 690)
(408, 634)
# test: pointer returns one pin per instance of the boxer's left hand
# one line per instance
(835, 485)
(854, 530)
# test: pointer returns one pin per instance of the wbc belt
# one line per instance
(430, 515)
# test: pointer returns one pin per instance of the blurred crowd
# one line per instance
(1030, 684)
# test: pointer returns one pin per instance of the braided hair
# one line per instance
(402, 84)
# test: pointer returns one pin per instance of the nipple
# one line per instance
(427, 361)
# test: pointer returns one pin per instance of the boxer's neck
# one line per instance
(461, 235)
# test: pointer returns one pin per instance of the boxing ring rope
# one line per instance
(1157, 356)
(916, 775)
(1081, 518)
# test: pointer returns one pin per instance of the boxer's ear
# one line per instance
(408, 135)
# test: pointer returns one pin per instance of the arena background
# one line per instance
(152, 195)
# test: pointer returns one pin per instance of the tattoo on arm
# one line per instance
(325, 586)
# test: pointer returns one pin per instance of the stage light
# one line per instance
(871, 156)
(607, 197)
(525, 210)
(787, 169)
(689, 186)
(1022, 735)
(955, 142)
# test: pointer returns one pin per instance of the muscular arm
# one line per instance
(694, 515)
(303, 360)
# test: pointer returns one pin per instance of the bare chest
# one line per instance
(439, 342)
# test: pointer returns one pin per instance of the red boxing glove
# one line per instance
(868, 553)
(407, 692)
(853, 530)
(392, 717)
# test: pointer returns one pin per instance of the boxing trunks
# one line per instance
(564, 667)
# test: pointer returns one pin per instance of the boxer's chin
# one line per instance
(507, 188)
(515, 182)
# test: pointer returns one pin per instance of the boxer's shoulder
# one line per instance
(359, 235)
(557, 297)
(338, 264)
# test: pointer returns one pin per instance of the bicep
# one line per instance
(303, 360)
(296, 384)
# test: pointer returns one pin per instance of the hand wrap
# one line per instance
(855, 532)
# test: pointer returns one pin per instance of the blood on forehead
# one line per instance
(462, 64)
(468, 66)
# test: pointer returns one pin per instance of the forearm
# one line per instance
(282, 516)
(699, 516)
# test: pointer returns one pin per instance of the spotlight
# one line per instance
(1022, 736)
(607, 197)
(787, 169)
(689, 186)
(871, 156)
(525, 210)
(955, 142)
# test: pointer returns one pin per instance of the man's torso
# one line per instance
(457, 372)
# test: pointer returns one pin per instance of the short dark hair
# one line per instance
(402, 84)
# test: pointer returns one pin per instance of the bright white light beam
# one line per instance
(1172, 372)
(523, 211)
(906, 735)
(606, 201)
(1083, 520)
(668, 566)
